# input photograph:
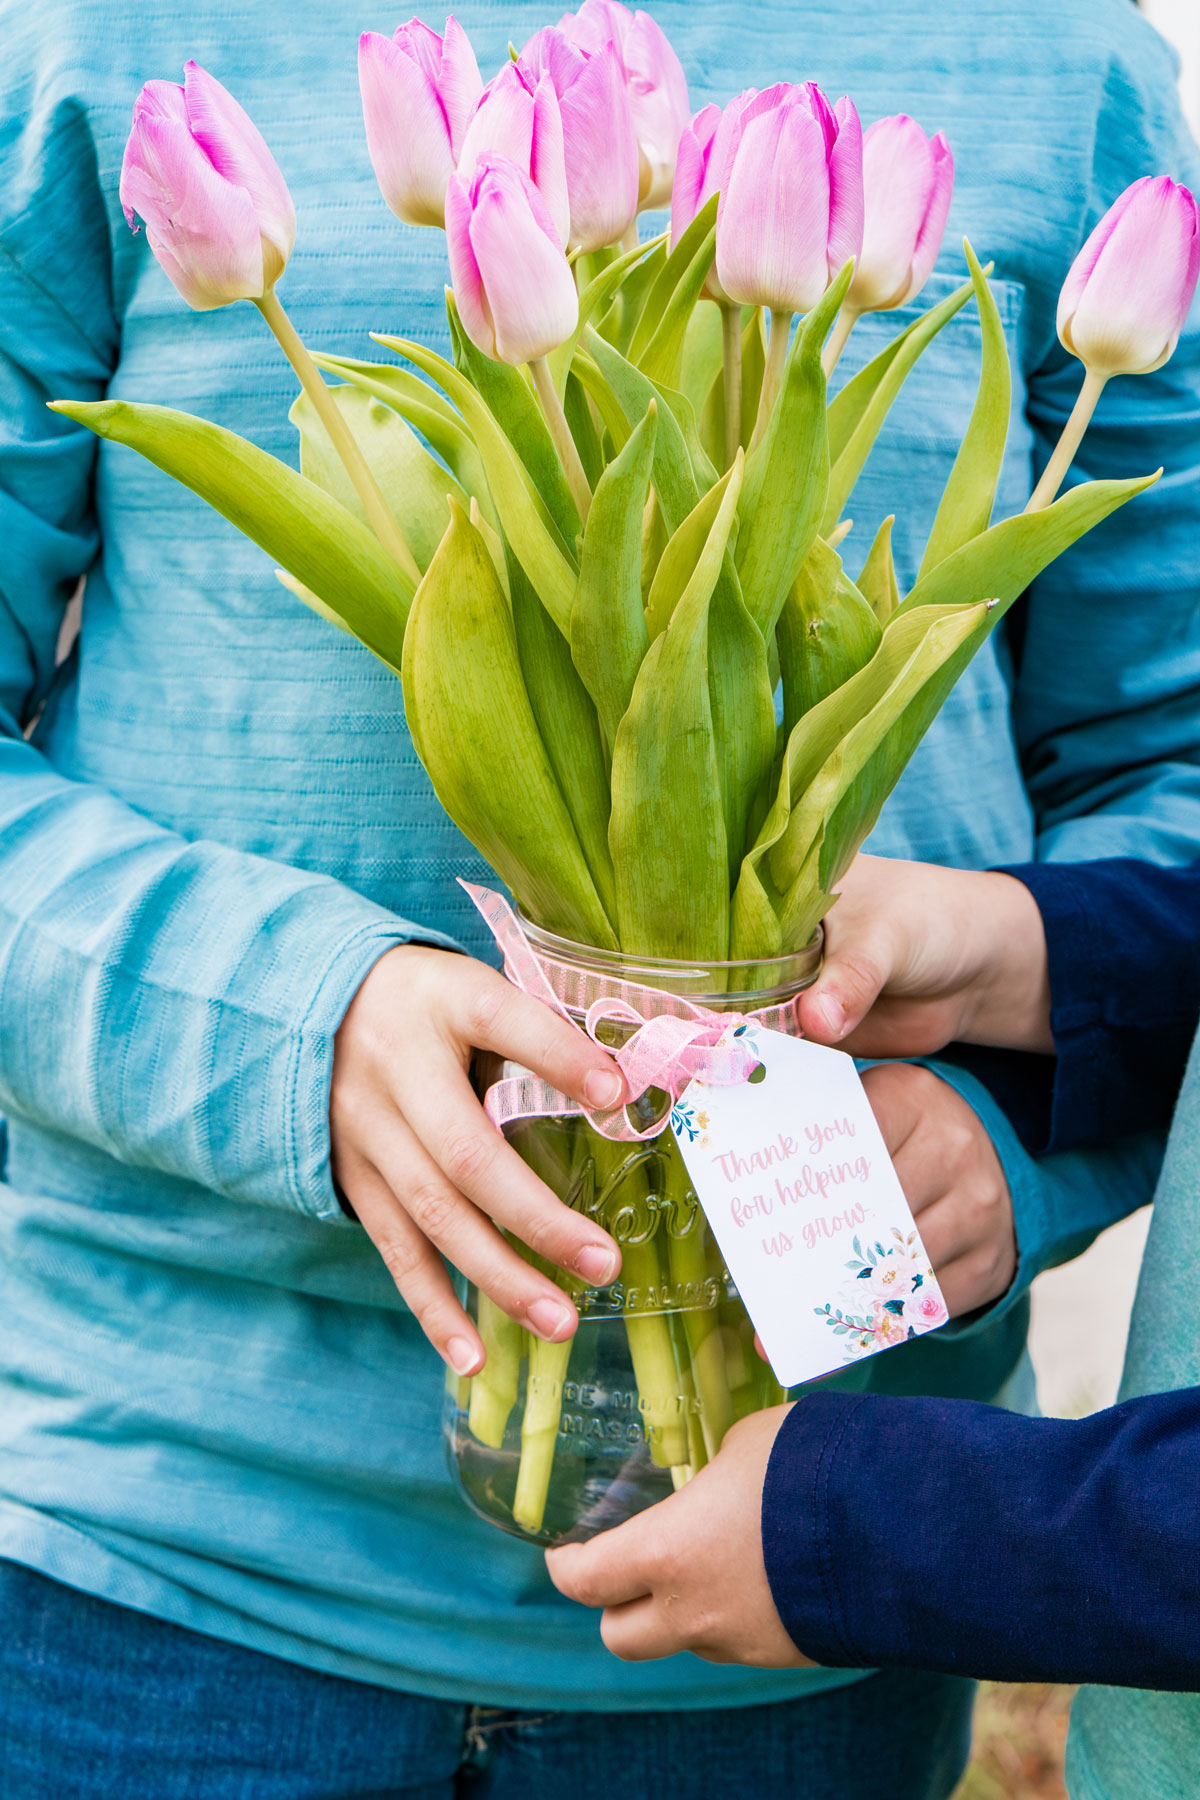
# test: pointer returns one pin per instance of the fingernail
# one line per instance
(833, 1013)
(550, 1320)
(463, 1356)
(597, 1265)
(603, 1088)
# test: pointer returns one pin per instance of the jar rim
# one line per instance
(773, 977)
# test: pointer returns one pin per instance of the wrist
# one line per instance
(1009, 1004)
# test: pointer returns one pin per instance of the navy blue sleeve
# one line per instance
(955, 1537)
(1124, 946)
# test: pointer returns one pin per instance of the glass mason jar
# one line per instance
(560, 1441)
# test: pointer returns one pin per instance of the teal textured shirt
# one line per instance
(213, 1405)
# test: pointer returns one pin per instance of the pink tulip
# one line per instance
(518, 117)
(418, 93)
(908, 182)
(654, 79)
(1129, 293)
(598, 136)
(217, 211)
(791, 208)
(514, 287)
(706, 149)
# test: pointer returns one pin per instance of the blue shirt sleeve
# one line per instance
(874, 1510)
(172, 1002)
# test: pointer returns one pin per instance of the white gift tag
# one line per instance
(796, 1182)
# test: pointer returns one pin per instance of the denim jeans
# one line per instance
(101, 1703)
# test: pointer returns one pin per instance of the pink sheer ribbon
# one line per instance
(672, 1042)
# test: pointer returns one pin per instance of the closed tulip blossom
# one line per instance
(908, 183)
(419, 91)
(599, 142)
(217, 211)
(220, 220)
(654, 79)
(513, 285)
(791, 209)
(1126, 301)
(518, 117)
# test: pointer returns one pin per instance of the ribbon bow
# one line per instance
(672, 1043)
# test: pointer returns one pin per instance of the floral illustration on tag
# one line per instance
(894, 1296)
(687, 1122)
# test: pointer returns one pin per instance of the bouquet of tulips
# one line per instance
(599, 545)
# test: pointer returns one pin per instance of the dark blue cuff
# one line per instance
(960, 1538)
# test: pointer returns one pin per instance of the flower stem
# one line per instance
(340, 435)
(839, 337)
(731, 338)
(494, 1389)
(560, 431)
(1068, 444)
(539, 1430)
(777, 349)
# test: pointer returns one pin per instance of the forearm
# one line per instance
(874, 1510)
(172, 1002)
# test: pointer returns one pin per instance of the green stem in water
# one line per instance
(560, 431)
(731, 341)
(690, 1280)
(539, 1430)
(494, 1389)
(340, 435)
(777, 349)
(1047, 488)
(839, 337)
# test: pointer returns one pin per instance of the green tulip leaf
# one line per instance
(787, 475)
(858, 414)
(321, 544)
(826, 633)
(568, 727)
(608, 626)
(681, 553)
(741, 691)
(877, 583)
(1004, 560)
(474, 729)
(668, 824)
(414, 486)
(624, 316)
(513, 404)
(524, 518)
(674, 474)
(663, 325)
(428, 412)
(966, 507)
(610, 285)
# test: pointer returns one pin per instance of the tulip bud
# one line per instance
(908, 183)
(705, 150)
(1131, 288)
(418, 93)
(791, 209)
(654, 80)
(514, 287)
(518, 117)
(598, 137)
(217, 211)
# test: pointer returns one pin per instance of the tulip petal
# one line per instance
(465, 276)
(1081, 269)
(846, 201)
(203, 230)
(548, 161)
(898, 182)
(658, 99)
(691, 166)
(1141, 286)
(527, 282)
(933, 226)
(601, 153)
(407, 134)
(502, 123)
(237, 150)
(772, 224)
(459, 83)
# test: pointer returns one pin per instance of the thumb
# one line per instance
(852, 977)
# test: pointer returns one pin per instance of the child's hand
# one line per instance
(918, 957)
(688, 1574)
(427, 1173)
